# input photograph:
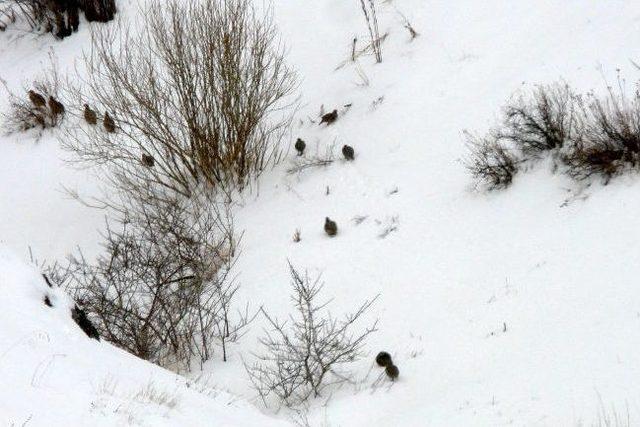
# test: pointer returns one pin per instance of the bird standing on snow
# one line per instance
(90, 115)
(330, 227)
(109, 124)
(329, 118)
(347, 152)
(392, 372)
(300, 146)
(36, 99)
(383, 359)
(56, 107)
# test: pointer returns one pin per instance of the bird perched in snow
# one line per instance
(109, 124)
(330, 227)
(148, 160)
(56, 107)
(36, 99)
(329, 118)
(392, 372)
(90, 115)
(383, 359)
(347, 152)
(300, 146)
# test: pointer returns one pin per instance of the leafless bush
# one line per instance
(491, 163)
(24, 114)
(587, 135)
(370, 16)
(543, 121)
(610, 142)
(202, 87)
(163, 287)
(302, 357)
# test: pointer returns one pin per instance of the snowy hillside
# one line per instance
(53, 374)
(518, 307)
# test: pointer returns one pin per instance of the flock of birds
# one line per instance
(330, 227)
(383, 359)
(40, 103)
(109, 125)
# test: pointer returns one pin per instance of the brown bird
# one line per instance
(56, 107)
(109, 124)
(330, 227)
(392, 372)
(383, 359)
(36, 99)
(148, 160)
(40, 121)
(90, 115)
(347, 152)
(300, 146)
(329, 118)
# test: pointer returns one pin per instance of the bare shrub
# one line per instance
(371, 18)
(163, 287)
(303, 357)
(23, 114)
(491, 164)
(588, 135)
(610, 142)
(543, 121)
(202, 87)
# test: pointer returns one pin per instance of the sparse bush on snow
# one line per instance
(304, 356)
(163, 287)
(37, 106)
(201, 87)
(491, 163)
(587, 136)
(541, 122)
(610, 141)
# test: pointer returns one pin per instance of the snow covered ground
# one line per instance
(518, 307)
(54, 375)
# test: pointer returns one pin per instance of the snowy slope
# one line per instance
(510, 308)
(52, 374)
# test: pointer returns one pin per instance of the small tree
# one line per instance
(201, 87)
(303, 357)
(163, 287)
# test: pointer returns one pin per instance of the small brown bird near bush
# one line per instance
(148, 160)
(392, 372)
(109, 124)
(329, 118)
(90, 115)
(40, 121)
(36, 99)
(300, 146)
(383, 359)
(348, 153)
(56, 107)
(330, 227)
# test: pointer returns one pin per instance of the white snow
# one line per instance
(461, 267)
(53, 374)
